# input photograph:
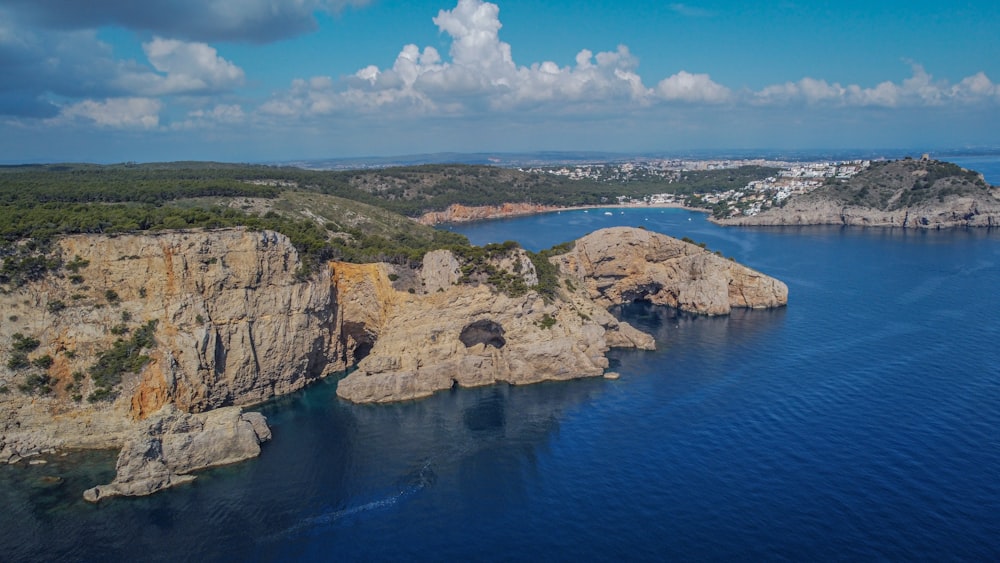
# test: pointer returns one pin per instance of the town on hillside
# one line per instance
(792, 178)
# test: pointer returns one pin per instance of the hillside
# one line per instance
(903, 193)
(354, 216)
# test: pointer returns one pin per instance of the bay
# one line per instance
(860, 422)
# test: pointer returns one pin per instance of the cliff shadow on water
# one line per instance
(343, 464)
(679, 333)
(332, 465)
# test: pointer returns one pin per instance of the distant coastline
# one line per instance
(458, 213)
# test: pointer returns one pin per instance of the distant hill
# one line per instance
(354, 216)
(902, 193)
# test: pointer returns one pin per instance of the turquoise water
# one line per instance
(860, 422)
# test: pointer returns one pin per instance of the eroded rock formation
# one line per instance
(622, 264)
(236, 325)
(169, 445)
(471, 336)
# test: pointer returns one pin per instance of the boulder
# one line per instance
(171, 445)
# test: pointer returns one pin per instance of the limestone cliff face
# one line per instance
(235, 326)
(622, 264)
(472, 335)
(465, 335)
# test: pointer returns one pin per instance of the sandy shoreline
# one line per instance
(466, 214)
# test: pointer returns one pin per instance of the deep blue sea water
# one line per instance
(860, 422)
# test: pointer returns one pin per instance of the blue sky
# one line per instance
(267, 80)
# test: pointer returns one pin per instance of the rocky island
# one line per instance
(909, 193)
(153, 342)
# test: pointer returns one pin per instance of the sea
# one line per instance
(860, 422)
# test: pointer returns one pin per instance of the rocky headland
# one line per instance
(194, 325)
(910, 193)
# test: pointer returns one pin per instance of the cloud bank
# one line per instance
(480, 75)
(59, 73)
(257, 21)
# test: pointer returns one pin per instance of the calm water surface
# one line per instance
(861, 422)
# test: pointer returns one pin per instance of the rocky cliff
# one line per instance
(457, 213)
(468, 336)
(234, 325)
(150, 343)
(916, 194)
(622, 264)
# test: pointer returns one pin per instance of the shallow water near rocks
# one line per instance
(860, 422)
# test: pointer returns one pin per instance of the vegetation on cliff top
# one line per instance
(355, 216)
(893, 185)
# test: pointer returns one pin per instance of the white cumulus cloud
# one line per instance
(481, 75)
(182, 68)
(116, 113)
(919, 90)
(687, 87)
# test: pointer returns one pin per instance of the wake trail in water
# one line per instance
(409, 485)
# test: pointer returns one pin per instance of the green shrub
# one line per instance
(76, 264)
(547, 321)
(42, 362)
(56, 306)
(125, 356)
(36, 383)
(23, 343)
(18, 360)
(111, 295)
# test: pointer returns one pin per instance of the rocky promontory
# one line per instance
(621, 264)
(469, 336)
(909, 193)
(151, 343)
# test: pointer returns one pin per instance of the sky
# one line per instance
(273, 80)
